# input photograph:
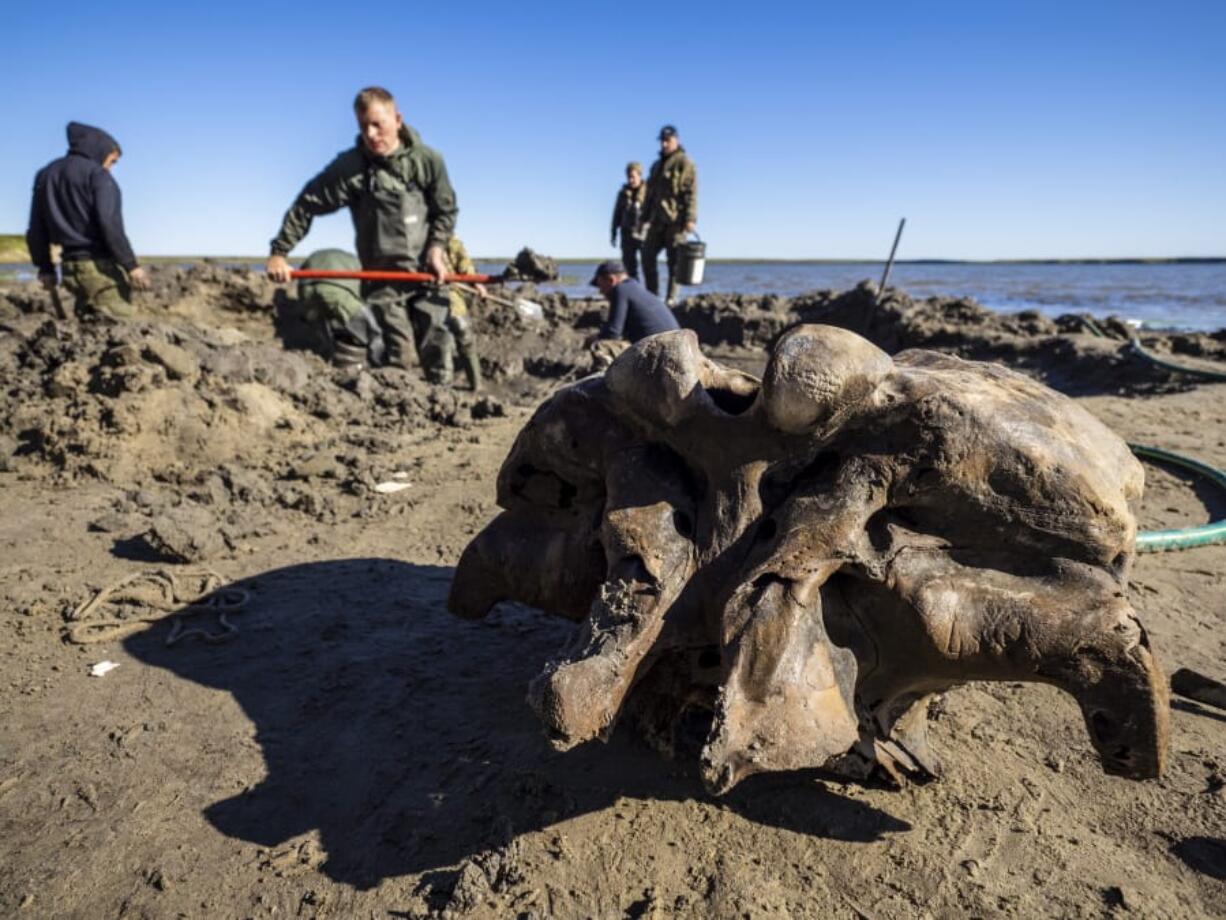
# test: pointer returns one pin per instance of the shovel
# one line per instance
(529, 309)
(407, 277)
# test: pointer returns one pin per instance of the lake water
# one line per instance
(1168, 295)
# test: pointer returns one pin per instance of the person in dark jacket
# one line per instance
(627, 212)
(77, 206)
(634, 312)
(404, 212)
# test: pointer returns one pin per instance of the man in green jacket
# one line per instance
(404, 212)
(670, 210)
(627, 215)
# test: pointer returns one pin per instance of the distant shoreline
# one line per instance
(587, 260)
(584, 260)
(13, 254)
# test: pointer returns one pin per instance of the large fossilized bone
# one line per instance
(807, 558)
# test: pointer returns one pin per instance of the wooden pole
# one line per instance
(885, 276)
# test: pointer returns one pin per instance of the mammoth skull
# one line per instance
(804, 560)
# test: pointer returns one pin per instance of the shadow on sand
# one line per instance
(401, 732)
(1206, 855)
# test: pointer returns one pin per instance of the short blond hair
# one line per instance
(634, 166)
(369, 96)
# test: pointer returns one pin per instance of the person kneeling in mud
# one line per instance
(634, 313)
(347, 328)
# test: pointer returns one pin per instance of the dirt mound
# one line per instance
(217, 369)
(210, 407)
(213, 396)
(529, 265)
(1071, 353)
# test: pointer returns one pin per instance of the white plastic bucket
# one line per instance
(691, 261)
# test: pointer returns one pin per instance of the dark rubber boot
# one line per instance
(466, 348)
(472, 369)
(391, 309)
(437, 350)
(399, 348)
(348, 354)
(435, 343)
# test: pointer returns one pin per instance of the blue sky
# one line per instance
(1000, 130)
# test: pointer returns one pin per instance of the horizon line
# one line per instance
(800, 260)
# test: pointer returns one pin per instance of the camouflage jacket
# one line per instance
(672, 191)
(460, 263)
(401, 204)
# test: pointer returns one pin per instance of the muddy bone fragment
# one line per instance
(805, 560)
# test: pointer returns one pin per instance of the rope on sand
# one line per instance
(162, 593)
(1157, 541)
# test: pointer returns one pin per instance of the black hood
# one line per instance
(91, 142)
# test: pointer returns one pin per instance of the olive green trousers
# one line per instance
(99, 286)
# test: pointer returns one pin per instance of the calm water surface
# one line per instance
(1168, 295)
(1165, 295)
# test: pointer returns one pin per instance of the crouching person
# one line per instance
(345, 325)
(634, 313)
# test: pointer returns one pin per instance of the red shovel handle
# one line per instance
(414, 277)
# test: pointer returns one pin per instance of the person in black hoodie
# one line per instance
(77, 206)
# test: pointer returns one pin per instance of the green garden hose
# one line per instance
(1138, 349)
(1204, 374)
(1157, 541)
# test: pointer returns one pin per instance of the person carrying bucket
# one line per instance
(670, 210)
(404, 212)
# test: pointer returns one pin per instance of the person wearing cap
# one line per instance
(670, 210)
(627, 213)
(634, 312)
(77, 206)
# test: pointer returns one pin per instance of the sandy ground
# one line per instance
(356, 751)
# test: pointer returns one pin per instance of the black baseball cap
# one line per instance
(612, 267)
(667, 131)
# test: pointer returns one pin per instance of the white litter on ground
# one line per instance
(529, 310)
(386, 488)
